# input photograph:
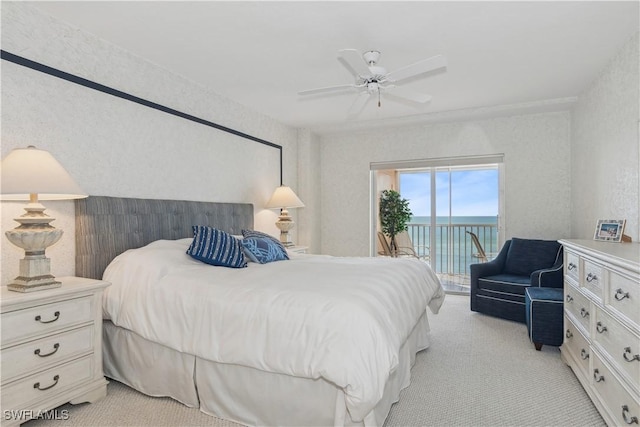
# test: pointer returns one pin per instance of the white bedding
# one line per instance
(342, 319)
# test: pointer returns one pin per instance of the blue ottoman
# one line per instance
(543, 309)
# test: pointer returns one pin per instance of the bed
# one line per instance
(315, 340)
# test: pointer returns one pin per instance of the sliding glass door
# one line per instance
(449, 203)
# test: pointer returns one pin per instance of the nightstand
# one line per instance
(298, 249)
(51, 348)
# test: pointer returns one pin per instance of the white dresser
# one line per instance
(602, 325)
(51, 348)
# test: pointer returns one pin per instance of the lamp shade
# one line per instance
(284, 197)
(29, 170)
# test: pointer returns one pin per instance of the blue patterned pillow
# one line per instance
(280, 251)
(262, 250)
(216, 247)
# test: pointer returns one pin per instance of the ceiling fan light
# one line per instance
(373, 87)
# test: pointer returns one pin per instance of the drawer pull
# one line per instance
(597, 377)
(591, 277)
(625, 416)
(620, 295)
(584, 355)
(56, 346)
(571, 266)
(37, 385)
(600, 328)
(56, 314)
(569, 298)
(568, 334)
(627, 350)
(584, 312)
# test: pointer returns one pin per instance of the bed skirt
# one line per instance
(246, 395)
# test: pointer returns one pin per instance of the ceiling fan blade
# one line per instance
(359, 104)
(420, 67)
(353, 61)
(327, 89)
(404, 93)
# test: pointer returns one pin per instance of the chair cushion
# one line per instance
(526, 256)
(509, 283)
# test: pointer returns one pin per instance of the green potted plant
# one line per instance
(394, 216)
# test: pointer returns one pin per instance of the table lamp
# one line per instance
(32, 174)
(283, 198)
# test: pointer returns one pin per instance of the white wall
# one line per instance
(605, 153)
(115, 147)
(536, 156)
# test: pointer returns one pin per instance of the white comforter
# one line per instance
(342, 319)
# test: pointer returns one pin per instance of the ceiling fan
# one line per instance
(371, 79)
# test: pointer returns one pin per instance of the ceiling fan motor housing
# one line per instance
(377, 73)
(371, 57)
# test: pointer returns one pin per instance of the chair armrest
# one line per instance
(548, 277)
(484, 269)
(490, 268)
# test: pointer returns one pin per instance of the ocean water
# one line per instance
(456, 220)
(454, 248)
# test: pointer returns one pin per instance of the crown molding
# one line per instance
(468, 114)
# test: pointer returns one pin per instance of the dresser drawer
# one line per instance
(47, 318)
(577, 345)
(40, 354)
(620, 344)
(572, 266)
(46, 384)
(593, 279)
(624, 297)
(578, 306)
(620, 404)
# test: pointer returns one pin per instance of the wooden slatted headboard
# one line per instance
(108, 226)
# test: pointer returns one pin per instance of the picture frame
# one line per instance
(609, 230)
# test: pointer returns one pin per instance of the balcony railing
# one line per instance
(454, 251)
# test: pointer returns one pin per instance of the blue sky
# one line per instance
(474, 192)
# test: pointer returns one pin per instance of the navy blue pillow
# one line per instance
(216, 247)
(282, 252)
(262, 250)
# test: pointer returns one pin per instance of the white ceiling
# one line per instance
(527, 55)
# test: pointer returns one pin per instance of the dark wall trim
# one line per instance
(7, 56)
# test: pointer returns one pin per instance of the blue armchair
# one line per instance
(498, 287)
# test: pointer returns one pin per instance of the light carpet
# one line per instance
(479, 371)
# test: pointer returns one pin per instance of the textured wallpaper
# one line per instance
(605, 155)
(114, 147)
(537, 177)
